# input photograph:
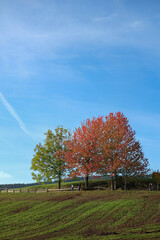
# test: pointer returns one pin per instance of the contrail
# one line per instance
(13, 113)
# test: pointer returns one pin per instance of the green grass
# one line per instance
(80, 215)
(100, 182)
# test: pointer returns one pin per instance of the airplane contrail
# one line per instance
(13, 113)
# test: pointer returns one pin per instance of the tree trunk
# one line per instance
(59, 181)
(125, 181)
(112, 183)
(115, 182)
(86, 181)
(59, 184)
(157, 186)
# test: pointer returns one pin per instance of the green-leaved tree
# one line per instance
(48, 160)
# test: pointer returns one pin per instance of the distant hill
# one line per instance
(17, 185)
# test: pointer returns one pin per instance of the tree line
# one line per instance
(100, 146)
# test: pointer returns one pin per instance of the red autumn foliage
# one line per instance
(107, 147)
(84, 155)
(117, 137)
(135, 163)
(122, 153)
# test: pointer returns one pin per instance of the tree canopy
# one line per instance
(48, 161)
(121, 151)
(106, 146)
(99, 146)
(84, 154)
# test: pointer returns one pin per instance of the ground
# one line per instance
(80, 215)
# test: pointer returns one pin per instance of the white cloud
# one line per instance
(137, 24)
(53, 29)
(106, 18)
(4, 175)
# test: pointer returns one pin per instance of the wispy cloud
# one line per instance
(39, 32)
(137, 24)
(104, 19)
(4, 175)
(13, 113)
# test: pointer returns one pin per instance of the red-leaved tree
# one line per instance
(84, 151)
(121, 152)
(134, 163)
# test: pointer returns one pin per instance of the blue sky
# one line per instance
(64, 61)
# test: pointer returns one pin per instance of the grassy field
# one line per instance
(68, 184)
(80, 215)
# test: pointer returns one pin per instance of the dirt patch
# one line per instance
(157, 220)
(61, 198)
(145, 196)
(22, 209)
(44, 236)
(156, 197)
(90, 232)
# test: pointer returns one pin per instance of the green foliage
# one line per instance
(48, 160)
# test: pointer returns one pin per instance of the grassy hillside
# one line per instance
(80, 215)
